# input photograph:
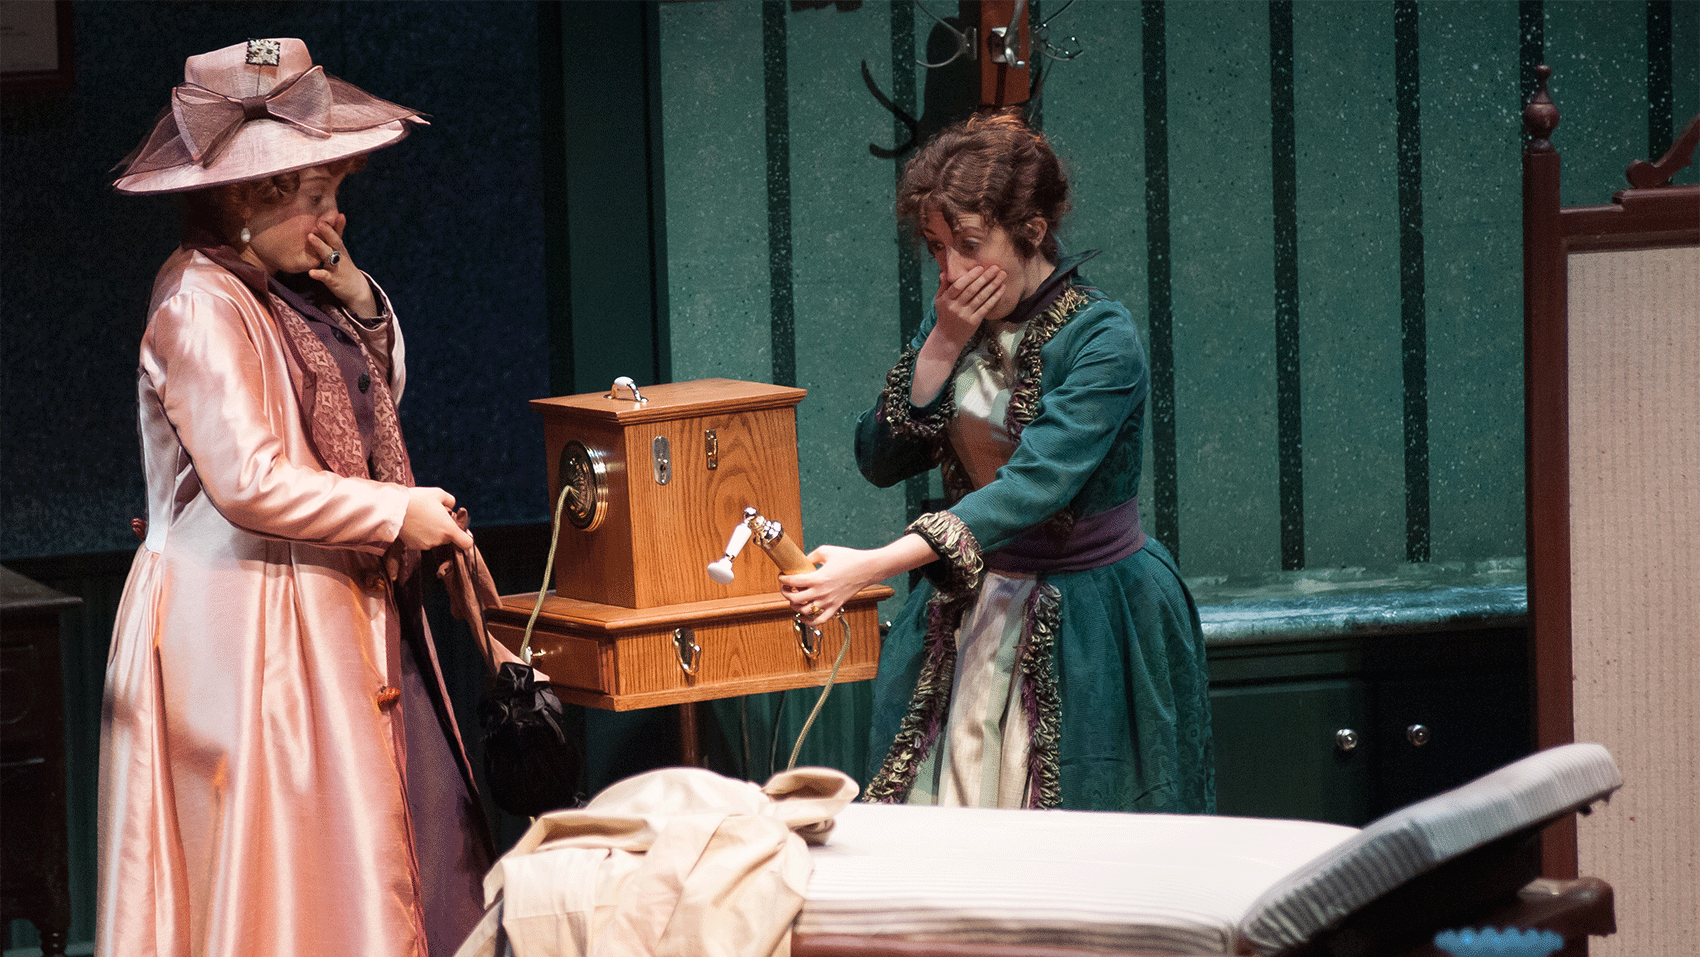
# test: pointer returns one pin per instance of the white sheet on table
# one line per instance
(1159, 882)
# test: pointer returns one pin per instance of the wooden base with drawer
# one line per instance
(607, 656)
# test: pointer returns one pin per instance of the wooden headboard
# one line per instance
(1612, 404)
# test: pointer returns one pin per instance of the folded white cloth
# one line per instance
(680, 861)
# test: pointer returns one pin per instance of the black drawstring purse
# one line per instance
(533, 749)
(532, 753)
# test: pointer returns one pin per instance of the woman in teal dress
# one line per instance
(1052, 657)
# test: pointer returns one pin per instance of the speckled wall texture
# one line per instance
(1314, 206)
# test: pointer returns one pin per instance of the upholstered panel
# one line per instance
(1417, 838)
(1634, 348)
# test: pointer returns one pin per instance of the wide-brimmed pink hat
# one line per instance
(256, 109)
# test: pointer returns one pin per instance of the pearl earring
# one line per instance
(246, 237)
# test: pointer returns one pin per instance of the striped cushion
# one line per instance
(1114, 882)
(1417, 838)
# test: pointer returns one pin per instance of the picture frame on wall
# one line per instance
(36, 52)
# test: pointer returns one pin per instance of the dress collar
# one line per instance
(1040, 299)
(300, 290)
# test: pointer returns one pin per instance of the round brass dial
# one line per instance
(585, 477)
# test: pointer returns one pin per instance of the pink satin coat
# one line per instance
(252, 774)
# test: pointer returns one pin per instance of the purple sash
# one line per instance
(1095, 541)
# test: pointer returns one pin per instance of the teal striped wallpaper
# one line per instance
(1314, 207)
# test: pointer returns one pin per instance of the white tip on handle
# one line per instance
(721, 571)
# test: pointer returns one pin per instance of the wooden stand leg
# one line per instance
(690, 752)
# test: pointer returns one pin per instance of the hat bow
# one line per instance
(207, 119)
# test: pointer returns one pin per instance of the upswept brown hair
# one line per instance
(992, 165)
(211, 208)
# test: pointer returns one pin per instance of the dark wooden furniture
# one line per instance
(1342, 694)
(1612, 338)
(34, 874)
(1347, 728)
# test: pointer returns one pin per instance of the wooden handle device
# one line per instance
(771, 537)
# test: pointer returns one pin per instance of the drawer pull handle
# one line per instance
(808, 637)
(1346, 739)
(690, 653)
(1417, 734)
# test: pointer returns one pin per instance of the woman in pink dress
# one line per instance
(280, 773)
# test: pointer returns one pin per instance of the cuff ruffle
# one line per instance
(961, 566)
(906, 419)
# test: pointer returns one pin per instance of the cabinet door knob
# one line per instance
(1417, 734)
(1345, 739)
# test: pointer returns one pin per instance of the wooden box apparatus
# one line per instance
(656, 485)
(657, 478)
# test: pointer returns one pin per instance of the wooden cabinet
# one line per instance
(655, 484)
(1471, 722)
(34, 875)
(1347, 729)
(1328, 706)
(655, 481)
(1275, 750)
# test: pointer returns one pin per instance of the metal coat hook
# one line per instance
(1005, 41)
(1042, 38)
(1008, 40)
(967, 41)
(910, 122)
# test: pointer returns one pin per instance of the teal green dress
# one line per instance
(1102, 700)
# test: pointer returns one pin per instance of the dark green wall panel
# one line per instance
(1598, 54)
(716, 203)
(1685, 71)
(1348, 283)
(1473, 242)
(844, 264)
(1224, 330)
(1334, 245)
(1097, 110)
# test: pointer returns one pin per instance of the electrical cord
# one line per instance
(548, 572)
(824, 691)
